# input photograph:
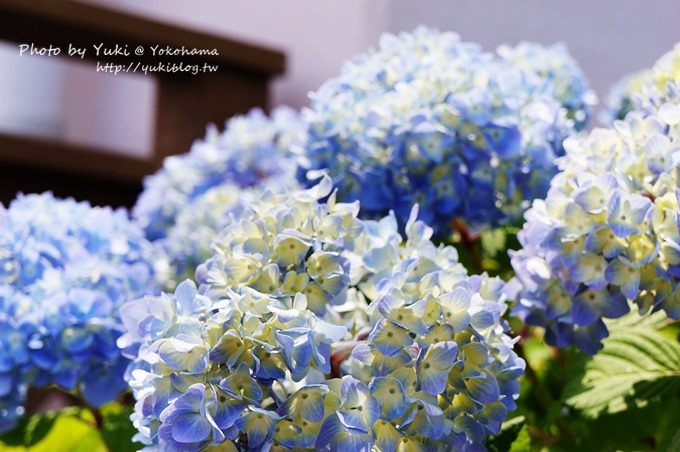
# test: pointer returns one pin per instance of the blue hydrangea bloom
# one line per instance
(189, 241)
(252, 150)
(186, 203)
(65, 268)
(313, 329)
(626, 95)
(14, 355)
(647, 89)
(557, 68)
(431, 120)
(606, 234)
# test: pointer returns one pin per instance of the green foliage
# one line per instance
(523, 441)
(30, 430)
(675, 444)
(73, 429)
(637, 429)
(625, 398)
(117, 430)
(488, 252)
(637, 365)
(510, 430)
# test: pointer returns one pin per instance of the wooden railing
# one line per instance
(185, 103)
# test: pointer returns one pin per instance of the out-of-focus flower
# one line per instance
(558, 70)
(189, 240)
(65, 268)
(626, 95)
(606, 234)
(646, 90)
(253, 149)
(280, 347)
(14, 354)
(195, 195)
(428, 119)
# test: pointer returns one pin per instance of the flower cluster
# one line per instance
(626, 96)
(648, 89)
(428, 119)
(606, 234)
(253, 150)
(437, 366)
(189, 241)
(557, 69)
(312, 329)
(65, 268)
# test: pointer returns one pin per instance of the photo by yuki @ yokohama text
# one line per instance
(160, 67)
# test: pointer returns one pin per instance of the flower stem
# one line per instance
(469, 242)
(539, 390)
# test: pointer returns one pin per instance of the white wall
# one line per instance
(609, 38)
(30, 106)
(316, 35)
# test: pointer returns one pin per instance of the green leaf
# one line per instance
(637, 321)
(523, 441)
(648, 428)
(70, 430)
(508, 434)
(38, 428)
(16, 436)
(675, 444)
(72, 434)
(117, 429)
(493, 241)
(30, 430)
(636, 365)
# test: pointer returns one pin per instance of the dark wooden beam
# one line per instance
(185, 103)
(185, 106)
(63, 22)
(71, 158)
(31, 165)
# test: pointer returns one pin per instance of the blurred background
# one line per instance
(68, 100)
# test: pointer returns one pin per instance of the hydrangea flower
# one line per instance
(626, 96)
(189, 241)
(648, 89)
(431, 120)
(607, 232)
(14, 352)
(254, 148)
(555, 66)
(65, 268)
(295, 337)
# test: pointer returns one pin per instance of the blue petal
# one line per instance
(589, 337)
(191, 400)
(183, 356)
(390, 395)
(386, 436)
(584, 310)
(389, 338)
(337, 438)
(472, 429)
(353, 420)
(190, 428)
(627, 277)
(228, 412)
(434, 366)
(484, 390)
